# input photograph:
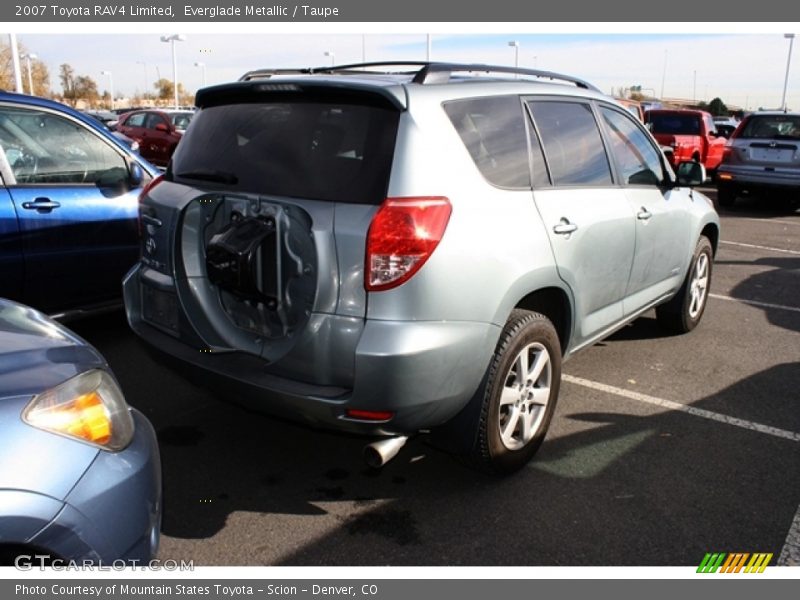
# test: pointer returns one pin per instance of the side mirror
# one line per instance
(136, 175)
(690, 173)
(162, 127)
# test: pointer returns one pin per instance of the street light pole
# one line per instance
(144, 66)
(175, 37)
(28, 58)
(12, 41)
(202, 65)
(110, 85)
(332, 54)
(514, 44)
(790, 37)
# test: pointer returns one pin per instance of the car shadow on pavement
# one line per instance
(760, 207)
(621, 485)
(774, 292)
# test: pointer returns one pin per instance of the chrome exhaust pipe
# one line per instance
(381, 452)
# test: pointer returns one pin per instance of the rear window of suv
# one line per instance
(772, 127)
(316, 150)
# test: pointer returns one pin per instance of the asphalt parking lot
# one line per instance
(663, 448)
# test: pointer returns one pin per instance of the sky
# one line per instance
(744, 69)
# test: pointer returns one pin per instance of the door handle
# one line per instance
(41, 205)
(148, 220)
(644, 214)
(564, 227)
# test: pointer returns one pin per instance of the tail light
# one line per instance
(727, 151)
(402, 236)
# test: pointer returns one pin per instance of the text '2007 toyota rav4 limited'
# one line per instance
(414, 249)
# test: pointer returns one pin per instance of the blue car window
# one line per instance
(44, 148)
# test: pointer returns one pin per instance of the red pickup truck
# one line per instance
(690, 133)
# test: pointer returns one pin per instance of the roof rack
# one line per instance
(441, 72)
(423, 72)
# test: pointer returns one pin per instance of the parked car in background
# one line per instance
(157, 131)
(633, 106)
(691, 134)
(68, 206)
(762, 155)
(80, 477)
(726, 129)
(416, 248)
(107, 124)
(725, 125)
(106, 117)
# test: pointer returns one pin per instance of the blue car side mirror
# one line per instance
(136, 175)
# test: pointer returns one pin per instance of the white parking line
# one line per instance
(756, 303)
(770, 221)
(790, 554)
(698, 412)
(757, 247)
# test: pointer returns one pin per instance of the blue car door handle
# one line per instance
(41, 205)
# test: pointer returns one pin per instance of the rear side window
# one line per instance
(316, 150)
(493, 130)
(572, 143)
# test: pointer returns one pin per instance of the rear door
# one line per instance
(158, 137)
(77, 216)
(589, 220)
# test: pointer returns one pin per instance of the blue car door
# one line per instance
(76, 211)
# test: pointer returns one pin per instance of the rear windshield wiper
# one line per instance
(215, 176)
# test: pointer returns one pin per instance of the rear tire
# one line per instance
(518, 396)
(683, 312)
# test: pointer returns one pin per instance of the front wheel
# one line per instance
(684, 311)
(519, 393)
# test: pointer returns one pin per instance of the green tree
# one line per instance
(717, 107)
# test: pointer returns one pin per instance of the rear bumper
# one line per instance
(422, 372)
(751, 178)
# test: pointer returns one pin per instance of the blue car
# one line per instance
(80, 475)
(68, 207)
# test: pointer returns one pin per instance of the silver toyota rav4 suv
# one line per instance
(391, 249)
